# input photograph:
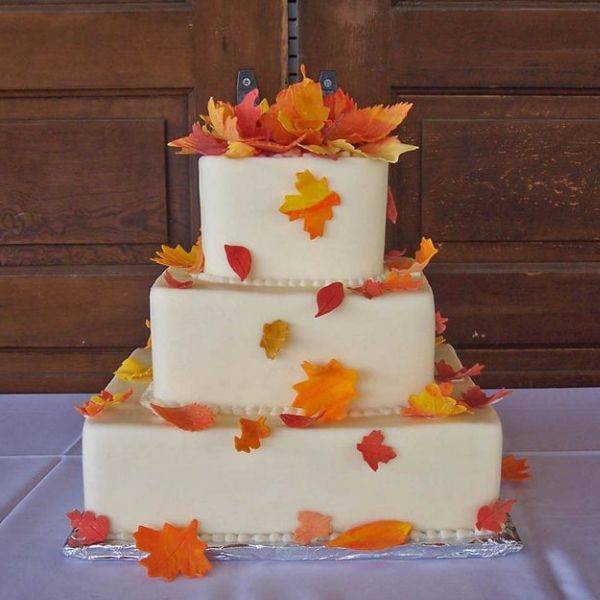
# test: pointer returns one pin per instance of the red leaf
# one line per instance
(329, 298)
(440, 323)
(374, 451)
(239, 259)
(88, 528)
(297, 421)
(492, 516)
(391, 210)
(475, 397)
(445, 372)
(371, 288)
(248, 114)
(176, 283)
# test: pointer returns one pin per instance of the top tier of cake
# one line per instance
(240, 201)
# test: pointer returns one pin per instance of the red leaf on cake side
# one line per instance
(191, 417)
(377, 535)
(252, 433)
(515, 469)
(445, 372)
(329, 298)
(298, 421)
(440, 323)
(492, 516)
(312, 526)
(475, 397)
(88, 528)
(173, 551)
(179, 284)
(239, 259)
(391, 210)
(374, 451)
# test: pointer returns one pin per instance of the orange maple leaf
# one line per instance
(401, 282)
(515, 469)
(191, 417)
(314, 203)
(327, 392)
(173, 551)
(493, 516)
(377, 535)
(434, 402)
(252, 433)
(274, 337)
(312, 525)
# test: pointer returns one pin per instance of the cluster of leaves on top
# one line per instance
(300, 120)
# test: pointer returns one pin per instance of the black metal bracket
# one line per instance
(246, 82)
(328, 81)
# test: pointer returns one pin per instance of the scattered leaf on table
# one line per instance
(374, 451)
(173, 551)
(97, 403)
(377, 535)
(252, 433)
(173, 282)
(191, 417)
(515, 469)
(297, 421)
(132, 369)
(314, 203)
(312, 526)
(492, 517)
(440, 323)
(329, 298)
(475, 397)
(88, 528)
(445, 372)
(177, 257)
(391, 209)
(327, 392)
(239, 259)
(274, 337)
(434, 402)
(371, 288)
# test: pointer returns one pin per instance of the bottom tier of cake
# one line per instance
(139, 470)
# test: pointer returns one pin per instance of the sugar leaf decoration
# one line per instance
(393, 282)
(377, 535)
(97, 403)
(274, 336)
(191, 417)
(374, 451)
(314, 203)
(252, 433)
(298, 421)
(515, 469)
(440, 323)
(492, 516)
(391, 211)
(445, 372)
(173, 551)
(239, 259)
(434, 402)
(132, 369)
(178, 257)
(312, 526)
(327, 391)
(329, 298)
(475, 397)
(87, 528)
(174, 282)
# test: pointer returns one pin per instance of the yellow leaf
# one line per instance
(177, 257)
(434, 402)
(239, 150)
(327, 392)
(131, 369)
(97, 403)
(274, 336)
(377, 535)
(222, 120)
(389, 149)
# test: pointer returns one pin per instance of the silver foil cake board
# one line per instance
(475, 546)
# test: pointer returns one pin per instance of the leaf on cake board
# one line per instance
(475, 397)
(374, 451)
(178, 257)
(173, 551)
(445, 372)
(274, 336)
(329, 298)
(377, 535)
(391, 210)
(312, 526)
(132, 369)
(314, 203)
(252, 432)
(191, 417)
(87, 528)
(515, 469)
(97, 403)
(492, 516)
(298, 421)
(327, 392)
(149, 340)
(239, 259)
(433, 402)
(440, 323)
(178, 284)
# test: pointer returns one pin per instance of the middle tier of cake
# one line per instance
(206, 346)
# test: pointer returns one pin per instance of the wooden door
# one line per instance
(507, 178)
(90, 92)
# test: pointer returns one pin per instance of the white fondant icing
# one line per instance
(240, 200)
(206, 346)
